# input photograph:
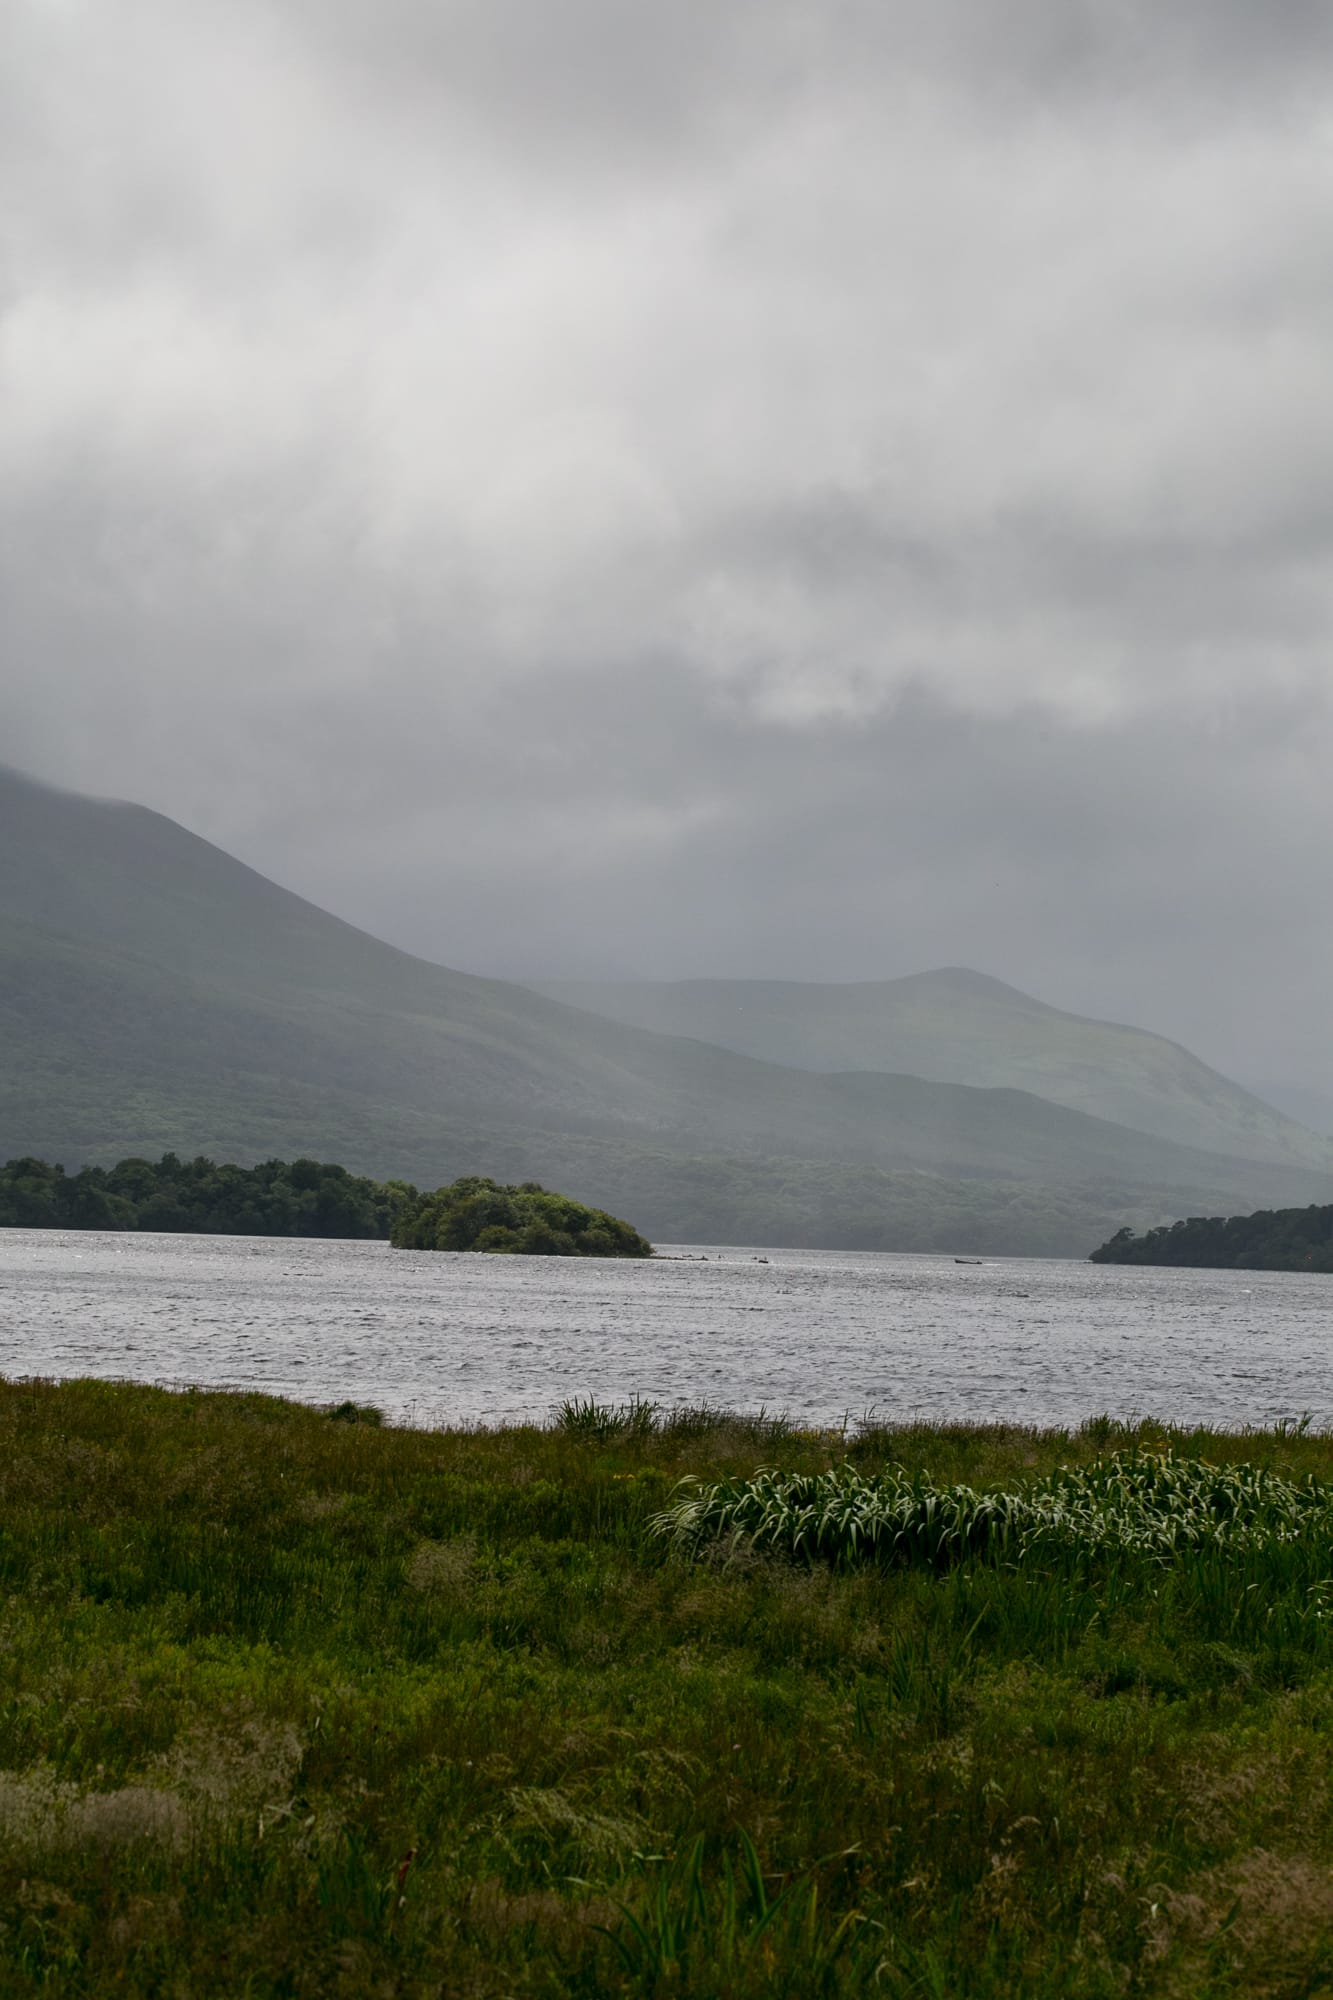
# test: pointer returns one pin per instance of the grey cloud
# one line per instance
(778, 490)
(590, 78)
(1141, 873)
(597, 75)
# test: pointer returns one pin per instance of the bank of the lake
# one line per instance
(302, 1706)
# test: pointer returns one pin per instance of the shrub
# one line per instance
(479, 1214)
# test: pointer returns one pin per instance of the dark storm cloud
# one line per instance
(589, 79)
(813, 491)
(595, 73)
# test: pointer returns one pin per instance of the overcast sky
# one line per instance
(737, 487)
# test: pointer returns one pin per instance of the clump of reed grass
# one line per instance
(583, 1417)
(745, 1927)
(1150, 1503)
(591, 1422)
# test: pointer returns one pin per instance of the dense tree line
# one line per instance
(1283, 1239)
(478, 1214)
(279, 1198)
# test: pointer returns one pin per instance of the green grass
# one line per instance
(297, 1706)
(1144, 1503)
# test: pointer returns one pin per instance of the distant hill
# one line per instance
(957, 1026)
(156, 995)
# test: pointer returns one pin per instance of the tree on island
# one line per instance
(199, 1197)
(478, 1214)
(1283, 1239)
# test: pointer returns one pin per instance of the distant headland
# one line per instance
(309, 1198)
(200, 1197)
(1283, 1239)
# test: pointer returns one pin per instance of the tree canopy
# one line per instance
(528, 1220)
(277, 1198)
(1283, 1239)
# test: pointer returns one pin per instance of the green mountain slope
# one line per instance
(957, 1026)
(157, 995)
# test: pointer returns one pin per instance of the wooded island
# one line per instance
(199, 1197)
(310, 1198)
(1283, 1239)
(528, 1220)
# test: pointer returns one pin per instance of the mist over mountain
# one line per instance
(1302, 1101)
(156, 994)
(960, 1026)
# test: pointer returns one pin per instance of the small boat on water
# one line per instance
(969, 1260)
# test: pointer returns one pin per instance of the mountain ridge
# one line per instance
(956, 1025)
(157, 995)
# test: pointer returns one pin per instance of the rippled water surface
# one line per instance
(819, 1335)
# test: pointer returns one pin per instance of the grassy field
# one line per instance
(291, 1703)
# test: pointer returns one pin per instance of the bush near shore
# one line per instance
(296, 1703)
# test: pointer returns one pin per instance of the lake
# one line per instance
(820, 1335)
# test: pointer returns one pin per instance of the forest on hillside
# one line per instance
(1283, 1239)
(277, 1198)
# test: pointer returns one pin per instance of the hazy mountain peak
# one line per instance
(954, 1024)
(156, 994)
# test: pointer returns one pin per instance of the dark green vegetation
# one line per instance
(157, 996)
(1144, 1502)
(277, 1198)
(957, 1026)
(1288, 1239)
(476, 1214)
(302, 1707)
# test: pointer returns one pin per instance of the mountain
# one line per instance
(156, 994)
(1302, 1101)
(957, 1026)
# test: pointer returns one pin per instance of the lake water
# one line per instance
(819, 1335)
